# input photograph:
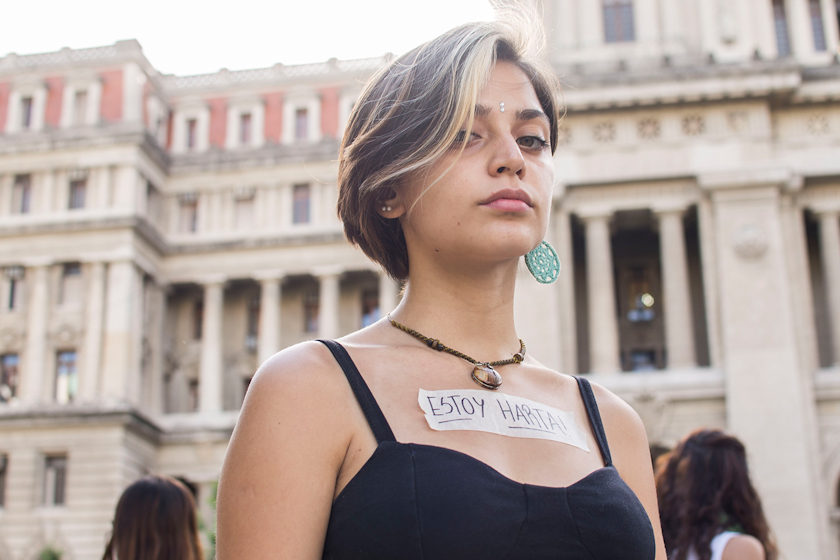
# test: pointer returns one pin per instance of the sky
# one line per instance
(190, 37)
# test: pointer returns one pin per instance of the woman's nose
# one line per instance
(507, 157)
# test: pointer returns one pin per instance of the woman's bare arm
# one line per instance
(631, 455)
(279, 473)
(743, 547)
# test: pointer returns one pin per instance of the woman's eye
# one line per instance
(532, 142)
(461, 137)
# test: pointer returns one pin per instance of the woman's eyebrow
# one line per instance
(523, 115)
(531, 114)
(481, 110)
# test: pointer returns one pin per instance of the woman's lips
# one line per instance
(509, 200)
(508, 205)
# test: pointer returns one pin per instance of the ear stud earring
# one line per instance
(502, 106)
(386, 208)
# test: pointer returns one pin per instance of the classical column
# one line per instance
(830, 250)
(709, 261)
(603, 322)
(94, 325)
(799, 28)
(679, 331)
(210, 374)
(770, 403)
(565, 286)
(388, 294)
(32, 384)
(121, 353)
(157, 319)
(328, 278)
(269, 328)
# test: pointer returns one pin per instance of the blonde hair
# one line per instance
(411, 112)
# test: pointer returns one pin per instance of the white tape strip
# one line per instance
(499, 413)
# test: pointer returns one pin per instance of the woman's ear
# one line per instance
(390, 204)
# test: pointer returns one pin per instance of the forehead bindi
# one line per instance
(510, 85)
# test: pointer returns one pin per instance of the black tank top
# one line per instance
(411, 501)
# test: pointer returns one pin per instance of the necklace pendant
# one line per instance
(486, 376)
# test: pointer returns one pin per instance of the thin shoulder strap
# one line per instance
(594, 418)
(378, 424)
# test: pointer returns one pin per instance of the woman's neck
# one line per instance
(470, 311)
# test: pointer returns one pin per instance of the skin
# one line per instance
(743, 547)
(301, 436)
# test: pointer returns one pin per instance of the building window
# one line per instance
(245, 129)
(618, 21)
(8, 377)
(198, 319)
(154, 207)
(4, 467)
(192, 134)
(66, 377)
(26, 113)
(301, 124)
(55, 479)
(370, 308)
(193, 395)
(817, 25)
(253, 323)
(14, 274)
(301, 204)
(22, 194)
(642, 360)
(781, 26)
(310, 312)
(71, 284)
(78, 188)
(188, 218)
(80, 103)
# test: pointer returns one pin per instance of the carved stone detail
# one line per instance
(648, 128)
(604, 132)
(750, 241)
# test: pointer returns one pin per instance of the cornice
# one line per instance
(217, 159)
(82, 415)
(680, 86)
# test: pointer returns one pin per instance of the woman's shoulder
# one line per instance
(624, 428)
(304, 364)
(743, 547)
(304, 378)
(614, 411)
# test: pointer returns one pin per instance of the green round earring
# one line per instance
(543, 263)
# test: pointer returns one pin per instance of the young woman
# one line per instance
(341, 450)
(155, 520)
(709, 508)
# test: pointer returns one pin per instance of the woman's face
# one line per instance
(493, 202)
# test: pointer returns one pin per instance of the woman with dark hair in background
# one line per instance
(390, 444)
(708, 506)
(155, 520)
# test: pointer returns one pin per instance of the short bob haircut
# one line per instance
(411, 111)
(155, 520)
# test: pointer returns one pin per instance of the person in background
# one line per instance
(708, 507)
(155, 520)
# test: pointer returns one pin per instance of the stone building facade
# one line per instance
(162, 235)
